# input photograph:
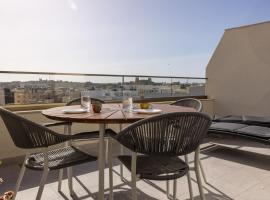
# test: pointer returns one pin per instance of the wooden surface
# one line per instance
(110, 114)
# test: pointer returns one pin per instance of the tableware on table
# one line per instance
(145, 105)
(147, 111)
(85, 100)
(96, 106)
(74, 110)
(127, 104)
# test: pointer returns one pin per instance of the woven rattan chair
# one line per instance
(88, 135)
(189, 102)
(160, 140)
(29, 135)
(197, 104)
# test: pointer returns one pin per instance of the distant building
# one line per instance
(19, 96)
(9, 96)
(198, 90)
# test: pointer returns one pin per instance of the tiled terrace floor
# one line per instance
(238, 172)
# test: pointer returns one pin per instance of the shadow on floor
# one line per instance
(212, 196)
(32, 178)
(241, 156)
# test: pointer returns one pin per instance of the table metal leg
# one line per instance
(101, 163)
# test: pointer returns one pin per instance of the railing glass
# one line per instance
(19, 88)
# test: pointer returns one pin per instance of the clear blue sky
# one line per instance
(154, 37)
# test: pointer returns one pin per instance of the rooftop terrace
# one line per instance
(235, 171)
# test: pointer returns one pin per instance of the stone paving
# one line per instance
(240, 172)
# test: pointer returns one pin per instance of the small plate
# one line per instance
(147, 111)
(74, 111)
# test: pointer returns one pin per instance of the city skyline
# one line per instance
(50, 91)
(119, 37)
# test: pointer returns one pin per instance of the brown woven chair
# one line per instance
(196, 104)
(189, 102)
(160, 140)
(29, 135)
(88, 135)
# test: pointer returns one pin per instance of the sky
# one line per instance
(142, 37)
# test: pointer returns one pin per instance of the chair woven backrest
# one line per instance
(27, 134)
(77, 101)
(189, 102)
(171, 134)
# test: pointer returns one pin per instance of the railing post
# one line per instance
(123, 82)
(171, 88)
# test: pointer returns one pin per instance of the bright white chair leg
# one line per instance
(110, 168)
(189, 179)
(197, 172)
(19, 180)
(133, 175)
(44, 175)
(174, 188)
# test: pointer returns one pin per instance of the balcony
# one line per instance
(234, 170)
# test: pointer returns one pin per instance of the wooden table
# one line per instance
(110, 114)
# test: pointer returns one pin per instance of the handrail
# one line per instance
(107, 75)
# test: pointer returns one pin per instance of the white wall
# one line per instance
(239, 72)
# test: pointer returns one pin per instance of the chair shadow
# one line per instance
(119, 193)
(212, 196)
(241, 156)
(32, 178)
(125, 193)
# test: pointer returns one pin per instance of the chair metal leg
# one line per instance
(60, 178)
(67, 130)
(121, 153)
(168, 188)
(101, 162)
(197, 172)
(42, 183)
(69, 169)
(202, 170)
(133, 175)
(174, 188)
(19, 180)
(107, 152)
(189, 180)
(44, 175)
(110, 168)
(70, 181)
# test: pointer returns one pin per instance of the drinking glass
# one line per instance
(85, 100)
(127, 101)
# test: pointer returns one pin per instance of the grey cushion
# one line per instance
(223, 126)
(258, 131)
(257, 119)
(229, 118)
(249, 120)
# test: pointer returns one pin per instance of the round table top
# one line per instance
(110, 114)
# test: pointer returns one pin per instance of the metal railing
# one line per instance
(23, 87)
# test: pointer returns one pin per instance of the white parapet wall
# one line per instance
(239, 71)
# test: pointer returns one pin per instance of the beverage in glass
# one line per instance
(127, 101)
(85, 100)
